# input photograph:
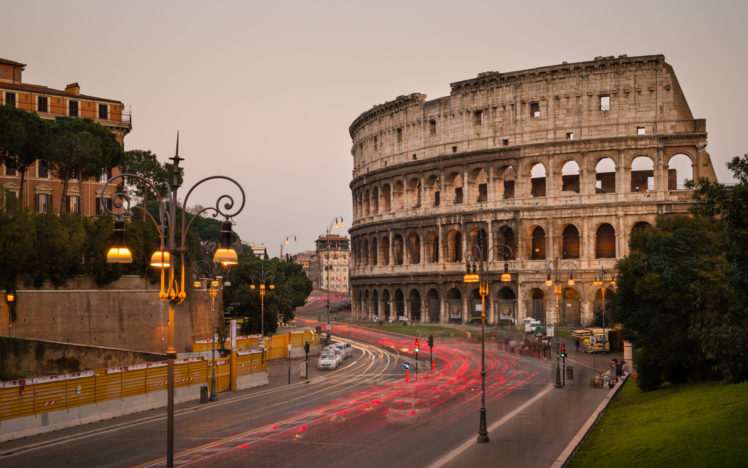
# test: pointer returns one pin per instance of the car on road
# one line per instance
(345, 348)
(327, 361)
(408, 410)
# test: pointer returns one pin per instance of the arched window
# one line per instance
(414, 304)
(479, 237)
(399, 304)
(454, 246)
(375, 200)
(374, 250)
(386, 305)
(458, 189)
(397, 249)
(538, 244)
(479, 185)
(537, 180)
(433, 191)
(432, 247)
(605, 176)
(414, 193)
(570, 177)
(366, 203)
(414, 248)
(640, 226)
(399, 195)
(365, 252)
(386, 198)
(642, 174)
(434, 306)
(605, 242)
(384, 250)
(506, 237)
(454, 305)
(570, 244)
(505, 180)
(679, 171)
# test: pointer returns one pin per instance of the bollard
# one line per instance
(569, 372)
(204, 394)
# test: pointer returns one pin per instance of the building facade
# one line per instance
(549, 170)
(332, 264)
(42, 190)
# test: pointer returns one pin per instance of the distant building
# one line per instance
(332, 265)
(305, 259)
(42, 190)
(257, 249)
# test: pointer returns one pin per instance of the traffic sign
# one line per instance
(406, 365)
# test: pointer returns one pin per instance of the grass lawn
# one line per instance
(702, 424)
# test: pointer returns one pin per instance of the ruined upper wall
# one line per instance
(603, 98)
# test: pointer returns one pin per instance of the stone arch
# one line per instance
(386, 198)
(505, 236)
(455, 184)
(507, 305)
(479, 185)
(536, 304)
(605, 241)
(570, 181)
(454, 246)
(475, 305)
(479, 237)
(640, 226)
(365, 252)
(414, 248)
(569, 308)
(366, 202)
(605, 176)
(432, 247)
(454, 306)
(374, 251)
(386, 305)
(433, 191)
(398, 196)
(399, 300)
(375, 200)
(570, 242)
(434, 305)
(505, 180)
(537, 244)
(375, 303)
(365, 310)
(384, 249)
(414, 192)
(642, 174)
(414, 304)
(679, 170)
(397, 249)
(537, 180)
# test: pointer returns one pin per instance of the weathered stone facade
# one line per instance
(559, 162)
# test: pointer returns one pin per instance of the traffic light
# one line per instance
(418, 346)
(306, 347)
(431, 341)
(563, 351)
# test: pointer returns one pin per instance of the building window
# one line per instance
(10, 99)
(43, 202)
(640, 131)
(400, 135)
(604, 103)
(42, 104)
(73, 204)
(505, 142)
(432, 126)
(535, 109)
(10, 170)
(570, 135)
(454, 149)
(105, 175)
(103, 111)
(73, 174)
(376, 142)
(478, 117)
(73, 108)
(42, 170)
(107, 202)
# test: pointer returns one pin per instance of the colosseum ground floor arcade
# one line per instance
(449, 300)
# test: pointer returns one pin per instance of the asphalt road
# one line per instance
(347, 417)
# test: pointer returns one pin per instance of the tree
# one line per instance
(21, 137)
(673, 278)
(78, 148)
(145, 164)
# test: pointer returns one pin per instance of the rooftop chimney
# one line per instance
(73, 88)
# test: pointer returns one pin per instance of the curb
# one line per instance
(581, 435)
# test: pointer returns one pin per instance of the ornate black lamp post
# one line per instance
(600, 281)
(261, 278)
(554, 267)
(172, 284)
(474, 255)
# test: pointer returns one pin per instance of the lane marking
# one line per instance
(471, 442)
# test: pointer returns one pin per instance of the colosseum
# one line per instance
(549, 170)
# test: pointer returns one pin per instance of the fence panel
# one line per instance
(50, 396)
(81, 391)
(156, 378)
(16, 401)
(108, 385)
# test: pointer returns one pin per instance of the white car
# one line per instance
(327, 361)
(345, 348)
(408, 410)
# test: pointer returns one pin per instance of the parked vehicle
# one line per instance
(327, 361)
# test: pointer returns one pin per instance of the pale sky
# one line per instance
(264, 92)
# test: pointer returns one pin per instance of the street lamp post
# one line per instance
(554, 267)
(285, 241)
(10, 298)
(214, 287)
(172, 284)
(474, 254)
(600, 281)
(261, 278)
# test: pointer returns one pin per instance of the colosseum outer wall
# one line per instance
(550, 169)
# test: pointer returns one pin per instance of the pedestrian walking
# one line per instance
(576, 345)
